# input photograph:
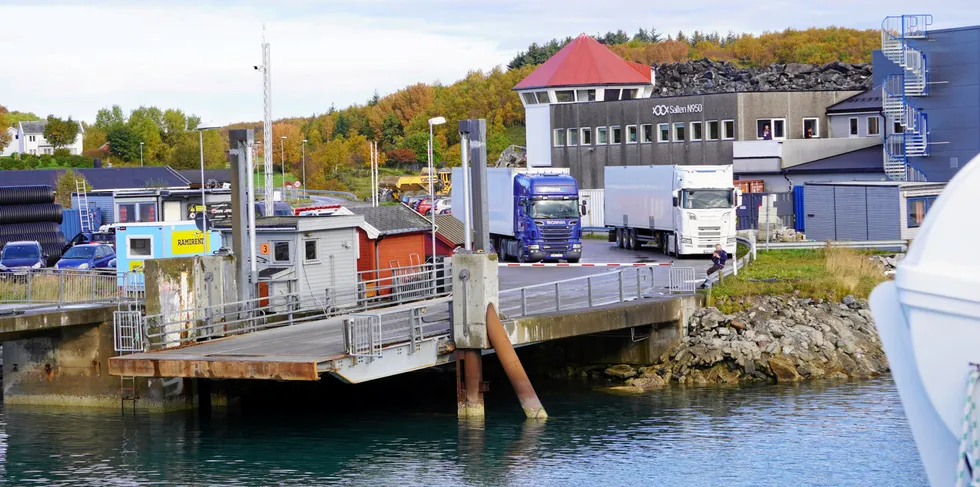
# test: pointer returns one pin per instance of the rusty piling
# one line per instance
(512, 366)
(469, 379)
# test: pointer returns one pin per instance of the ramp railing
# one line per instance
(580, 292)
(368, 333)
(59, 288)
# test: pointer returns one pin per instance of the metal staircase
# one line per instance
(84, 212)
(913, 140)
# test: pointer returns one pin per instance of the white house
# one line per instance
(30, 139)
(12, 146)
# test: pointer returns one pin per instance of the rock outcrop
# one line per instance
(779, 339)
(706, 76)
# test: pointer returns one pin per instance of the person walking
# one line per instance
(718, 260)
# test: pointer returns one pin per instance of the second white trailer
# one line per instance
(684, 210)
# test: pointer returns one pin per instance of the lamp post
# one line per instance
(141, 154)
(304, 168)
(204, 206)
(282, 159)
(432, 195)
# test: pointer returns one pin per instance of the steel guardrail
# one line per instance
(44, 288)
(855, 244)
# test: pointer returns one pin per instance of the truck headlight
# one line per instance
(533, 247)
(576, 246)
(686, 241)
(692, 216)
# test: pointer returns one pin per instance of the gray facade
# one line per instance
(866, 210)
(952, 104)
(687, 130)
(857, 125)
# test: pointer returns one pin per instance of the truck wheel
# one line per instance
(628, 239)
(502, 252)
(521, 257)
(634, 242)
(619, 238)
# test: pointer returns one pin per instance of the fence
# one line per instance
(367, 333)
(581, 292)
(63, 287)
(900, 245)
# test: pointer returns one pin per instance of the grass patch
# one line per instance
(603, 236)
(829, 274)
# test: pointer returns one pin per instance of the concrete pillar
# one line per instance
(474, 288)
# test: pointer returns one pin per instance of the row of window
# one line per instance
(579, 96)
(644, 134)
(872, 126)
(143, 247)
(775, 128)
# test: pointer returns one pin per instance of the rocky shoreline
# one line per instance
(777, 339)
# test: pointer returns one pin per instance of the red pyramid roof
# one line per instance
(583, 62)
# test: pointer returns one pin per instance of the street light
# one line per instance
(282, 158)
(141, 154)
(304, 168)
(204, 206)
(432, 195)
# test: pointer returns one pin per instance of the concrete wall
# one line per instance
(177, 284)
(953, 102)
(792, 106)
(538, 130)
(587, 162)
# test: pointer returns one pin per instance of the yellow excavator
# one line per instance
(400, 185)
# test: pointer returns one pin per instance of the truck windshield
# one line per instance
(703, 199)
(20, 252)
(555, 209)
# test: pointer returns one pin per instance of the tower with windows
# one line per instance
(584, 71)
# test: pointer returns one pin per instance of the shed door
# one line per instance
(852, 213)
(820, 214)
(884, 219)
(171, 211)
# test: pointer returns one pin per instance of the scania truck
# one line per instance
(683, 210)
(534, 213)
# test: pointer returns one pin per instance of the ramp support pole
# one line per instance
(533, 408)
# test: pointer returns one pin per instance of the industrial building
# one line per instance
(872, 210)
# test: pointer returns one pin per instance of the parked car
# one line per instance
(107, 237)
(279, 208)
(424, 206)
(443, 206)
(22, 255)
(87, 256)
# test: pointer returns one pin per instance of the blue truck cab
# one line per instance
(547, 219)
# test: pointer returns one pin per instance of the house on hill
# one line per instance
(30, 139)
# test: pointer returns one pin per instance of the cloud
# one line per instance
(198, 55)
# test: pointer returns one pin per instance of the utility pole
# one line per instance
(267, 161)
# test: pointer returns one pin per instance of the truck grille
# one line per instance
(555, 237)
(709, 232)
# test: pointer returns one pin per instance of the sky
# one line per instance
(70, 58)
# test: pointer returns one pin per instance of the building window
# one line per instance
(610, 94)
(559, 137)
(899, 128)
(586, 95)
(148, 212)
(139, 246)
(629, 94)
(729, 126)
(663, 132)
(697, 131)
(529, 98)
(543, 97)
(572, 137)
(811, 128)
(771, 128)
(617, 134)
(586, 136)
(32, 138)
(602, 135)
(873, 126)
(565, 96)
(714, 130)
(679, 133)
(631, 134)
(125, 213)
(310, 246)
(917, 209)
(646, 132)
(280, 252)
(853, 124)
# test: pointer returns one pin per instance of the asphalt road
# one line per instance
(595, 251)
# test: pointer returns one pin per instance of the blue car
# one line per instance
(87, 256)
(21, 256)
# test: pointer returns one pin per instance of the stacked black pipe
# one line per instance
(30, 213)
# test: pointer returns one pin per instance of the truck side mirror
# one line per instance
(675, 201)
(585, 209)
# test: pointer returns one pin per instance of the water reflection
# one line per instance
(814, 434)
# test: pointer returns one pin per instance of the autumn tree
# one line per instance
(401, 156)
(5, 138)
(60, 133)
(291, 148)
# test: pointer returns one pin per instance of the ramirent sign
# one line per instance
(661, 110)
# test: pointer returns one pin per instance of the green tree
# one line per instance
(5, 123)
(108, 118)
(64, 186)
(124, 143)
(60, 133)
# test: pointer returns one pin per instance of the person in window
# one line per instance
(718, 260)
(766, 134)
(808, 134)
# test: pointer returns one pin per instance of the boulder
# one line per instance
(621, 371)
(782, 367)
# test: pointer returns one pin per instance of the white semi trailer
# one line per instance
(684, 210)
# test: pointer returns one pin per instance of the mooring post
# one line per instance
(512, 366)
